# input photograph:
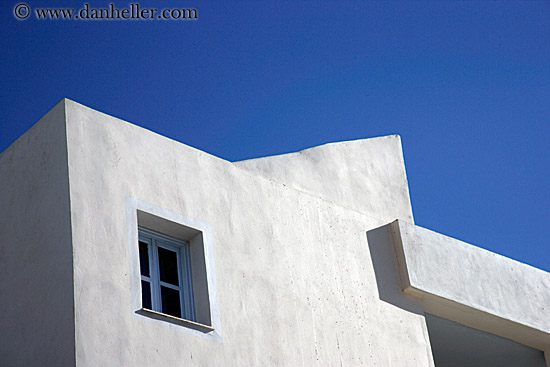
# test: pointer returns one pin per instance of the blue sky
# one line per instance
(465, 84)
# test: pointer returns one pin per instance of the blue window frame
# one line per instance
(166, 280)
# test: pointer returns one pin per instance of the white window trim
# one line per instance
(213, 331)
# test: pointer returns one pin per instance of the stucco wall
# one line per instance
(366, 175)
(36, 287)
(295, 278)
(307, 270)
(473, 286)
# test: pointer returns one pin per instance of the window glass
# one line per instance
(170, 301)
(146, 294)
(168, 266)
(144, 258)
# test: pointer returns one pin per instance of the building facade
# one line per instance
(120, 247)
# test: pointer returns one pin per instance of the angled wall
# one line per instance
(473, 286)
(295, 279)
(298, 264)
(37, 318)
(366, 175)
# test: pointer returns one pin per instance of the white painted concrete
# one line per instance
(366, 175)
(36, 287)
(296, 285)
(305, 269)
(473, 286)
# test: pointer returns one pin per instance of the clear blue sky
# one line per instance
(465, 84)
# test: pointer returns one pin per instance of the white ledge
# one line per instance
(473, 286)
(177, 320)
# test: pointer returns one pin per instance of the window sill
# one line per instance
(176, 320)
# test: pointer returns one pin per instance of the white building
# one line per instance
(120, 247)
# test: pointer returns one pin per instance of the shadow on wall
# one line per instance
(386, 271)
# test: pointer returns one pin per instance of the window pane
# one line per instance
(170, 301)
(168, 266)
(146, 294)
(143, 259)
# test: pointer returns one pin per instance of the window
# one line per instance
(166, 278)
(172, 275)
